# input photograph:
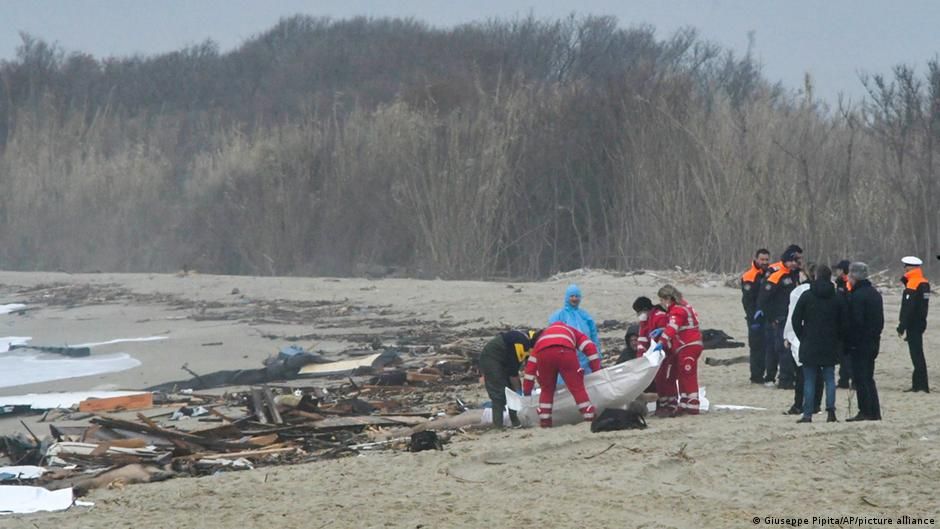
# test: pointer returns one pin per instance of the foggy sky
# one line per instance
(833, 40)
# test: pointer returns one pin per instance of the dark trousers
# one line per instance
(845, 369)
(863, 372)
(496, 380)
(771, 355)
(915, 344)
(779, 359)
(799, 389)
(755, 341)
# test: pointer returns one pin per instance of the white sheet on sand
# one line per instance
(613, 387)
(11, 307)
(18, 499)
(48, 401)
(23, 472)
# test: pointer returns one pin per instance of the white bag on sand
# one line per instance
(613, 387)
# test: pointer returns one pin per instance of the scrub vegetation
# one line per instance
(505, 148)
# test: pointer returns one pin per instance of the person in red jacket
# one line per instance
(556, 352)
(682, 340)
(653, 321)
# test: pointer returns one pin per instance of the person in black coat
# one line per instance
(820, 321)
(866, 321)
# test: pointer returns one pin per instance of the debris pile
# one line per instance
(384, 400)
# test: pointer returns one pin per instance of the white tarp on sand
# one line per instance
(18, 499)
(613, 387)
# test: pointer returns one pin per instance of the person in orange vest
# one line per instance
(682, 340)
(913, 319)
(773, 302)
(750, 287)
(844, 288)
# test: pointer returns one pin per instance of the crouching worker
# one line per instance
(500, 361)
(682, 341)
(556, 353)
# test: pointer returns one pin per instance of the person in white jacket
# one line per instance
(789, 336)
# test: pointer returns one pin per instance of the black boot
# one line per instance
(514, 418)
(804, 419)
(832, 416)
(498, 415)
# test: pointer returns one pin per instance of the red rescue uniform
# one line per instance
(554, 353)
(682, 341)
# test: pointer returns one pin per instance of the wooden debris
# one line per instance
(130, 402)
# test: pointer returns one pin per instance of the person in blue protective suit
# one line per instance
(573, 315)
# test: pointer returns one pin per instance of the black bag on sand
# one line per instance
(426, 440)
(615, 419)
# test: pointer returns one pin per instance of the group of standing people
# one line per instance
(569, 348)
(801, 324)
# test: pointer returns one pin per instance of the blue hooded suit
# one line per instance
(579, 319)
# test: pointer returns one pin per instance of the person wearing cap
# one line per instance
(866, 321)
(750, 286)
(773, 301)
(913, 319)
(843, 287)
(500, 361)
(572, 314)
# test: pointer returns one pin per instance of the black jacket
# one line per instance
(774, 296)
(820, 320)
(505, 349)
(914, 304)
(750, 287)
(866, 319)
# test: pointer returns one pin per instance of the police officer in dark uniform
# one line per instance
(500, 361)
(773, 304)
(750, 287)
(913, 320)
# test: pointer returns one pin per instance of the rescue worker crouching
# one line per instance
(500, 361)
(556, 353)
(653, 321)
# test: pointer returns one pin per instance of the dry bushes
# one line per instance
(515, 148)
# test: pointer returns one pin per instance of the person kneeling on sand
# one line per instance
(820, 321)
(556, 352)
(500, 361)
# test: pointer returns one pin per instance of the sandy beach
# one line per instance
(721, 469)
